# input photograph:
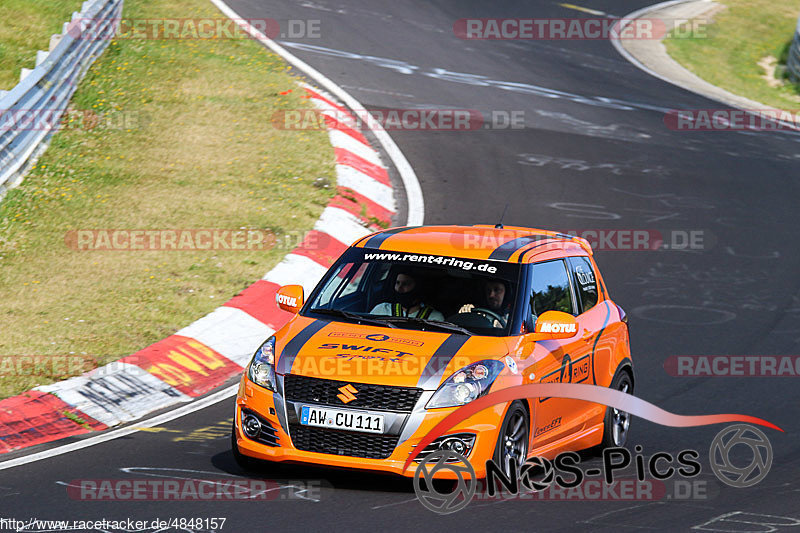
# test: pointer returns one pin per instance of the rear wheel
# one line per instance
(617, 423)
(244, 462)
(512, 441)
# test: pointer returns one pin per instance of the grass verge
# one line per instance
(25, 27)
(189, 145)
(736, 50)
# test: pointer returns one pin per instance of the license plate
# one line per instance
(339, 419)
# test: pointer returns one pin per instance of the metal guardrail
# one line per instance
(793, 61)
(45, 91)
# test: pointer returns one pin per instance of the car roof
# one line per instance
(513, 244)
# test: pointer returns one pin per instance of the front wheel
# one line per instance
(617, 423)
(512, 441)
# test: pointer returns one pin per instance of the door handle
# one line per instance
(587, 335)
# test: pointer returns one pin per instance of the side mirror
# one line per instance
(290, 298)
(556, 325)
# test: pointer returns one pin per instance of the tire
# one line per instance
(513, 438)
(245, 463)
(616, 425)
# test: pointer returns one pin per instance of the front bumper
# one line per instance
(404, 432)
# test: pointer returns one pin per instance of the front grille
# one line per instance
(325, 392)
(335, 442)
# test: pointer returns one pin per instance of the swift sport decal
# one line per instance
(590, 393)
(362, 348)
(377, 337)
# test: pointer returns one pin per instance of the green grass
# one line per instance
(198, 151)
(25, 27)
(75, 418)
(740, 37)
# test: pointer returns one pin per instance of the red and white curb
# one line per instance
(205, 354)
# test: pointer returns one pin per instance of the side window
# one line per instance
(551, 288)
(352, 285)
(585, 281)
(343, 275)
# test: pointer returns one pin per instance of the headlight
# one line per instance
(262, 367)
(466, 385)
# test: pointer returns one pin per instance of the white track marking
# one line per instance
(340, 139)
(341, 225)
(99, 393)
(297, 269)
(347, 176)
(117, 433)
(230, 332)
(416, 205)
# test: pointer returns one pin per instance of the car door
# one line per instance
(552, 360)
(591, 319)
(600, 327)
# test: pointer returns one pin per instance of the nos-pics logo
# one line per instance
(458, 484)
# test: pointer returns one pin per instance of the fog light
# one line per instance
(455, 444)
(461, 443)
(251, 426)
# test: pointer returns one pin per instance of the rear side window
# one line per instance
(585, 281)
(551, 291)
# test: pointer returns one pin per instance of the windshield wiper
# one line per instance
(446, 326)
(353, 316)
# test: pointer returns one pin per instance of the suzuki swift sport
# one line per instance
(410, 324)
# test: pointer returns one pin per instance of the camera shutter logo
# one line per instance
(723, 467)
(537, 474)
(445, 502)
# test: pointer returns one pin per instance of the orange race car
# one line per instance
(411, 323)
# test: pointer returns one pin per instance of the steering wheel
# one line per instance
(489, 314)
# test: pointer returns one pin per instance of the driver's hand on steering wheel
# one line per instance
(467, 308)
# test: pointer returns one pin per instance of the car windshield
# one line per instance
(419, 291)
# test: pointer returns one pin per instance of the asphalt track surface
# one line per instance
(597, 157)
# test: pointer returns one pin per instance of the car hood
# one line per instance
(377, 355)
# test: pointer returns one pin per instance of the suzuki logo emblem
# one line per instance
(348, 393)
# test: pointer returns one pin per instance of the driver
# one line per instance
(494, 292)
(407, 300)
